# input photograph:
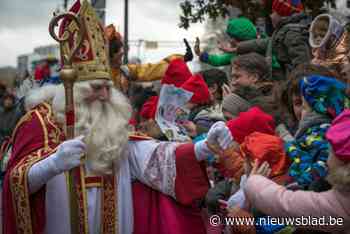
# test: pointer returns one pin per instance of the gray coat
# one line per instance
(289, 42)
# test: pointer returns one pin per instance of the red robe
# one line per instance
(37, 136)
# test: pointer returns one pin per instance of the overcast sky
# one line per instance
(24, 24)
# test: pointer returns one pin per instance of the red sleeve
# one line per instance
(191, 181)
(36, 137)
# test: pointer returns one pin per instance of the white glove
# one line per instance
(219, 134)
(238, 199)
(201, 150)
(69, 153)
(67, 157)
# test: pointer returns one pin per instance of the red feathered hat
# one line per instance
(254, 120)
(199, 88)
(177, 73)
(287, 7)
(149, 108)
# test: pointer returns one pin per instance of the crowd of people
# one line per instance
(271, 139)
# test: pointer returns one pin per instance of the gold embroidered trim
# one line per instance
(46, 135)
(20, 195)
(19, 174)
(82, 178)
(109, 205)
(93, 185)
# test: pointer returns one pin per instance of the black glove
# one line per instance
(189, 54)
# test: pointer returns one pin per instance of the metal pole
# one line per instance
(65, 5)
(126, 30)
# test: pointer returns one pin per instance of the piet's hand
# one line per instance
(197, 49)
(189, 54)
(69, 154)
(264, 169)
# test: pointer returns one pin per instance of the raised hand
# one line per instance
(264, 169)
(189, 54)
(226, 90)
(228, 47)
(197, 45)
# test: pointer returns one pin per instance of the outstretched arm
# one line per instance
(275, 200)
(217, 60)
(170, 168)
(150, 71)
(255, 45)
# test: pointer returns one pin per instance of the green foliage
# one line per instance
(194, 11)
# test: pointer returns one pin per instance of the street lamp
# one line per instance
(126, 30)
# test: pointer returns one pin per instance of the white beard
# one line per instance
(104, 124)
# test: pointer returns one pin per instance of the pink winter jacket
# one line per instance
(276, 201)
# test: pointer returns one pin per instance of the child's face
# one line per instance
(320, 30)
(242, 78)
(305, 108)
(8, 103)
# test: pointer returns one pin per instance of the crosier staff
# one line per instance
(69, 75)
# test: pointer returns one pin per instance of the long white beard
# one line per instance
(104, 125)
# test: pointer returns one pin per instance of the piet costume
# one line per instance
(153, 190)
(136, 72)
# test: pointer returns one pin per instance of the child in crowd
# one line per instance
(275, 200)
(238, 29)
(323, 98)
(330, 42)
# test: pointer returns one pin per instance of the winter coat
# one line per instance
(289, 43)
(276, 201)
(240, 29)
(309, 152)
(226, 58)
(262, 97)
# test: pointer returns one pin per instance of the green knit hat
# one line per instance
(241, 29)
